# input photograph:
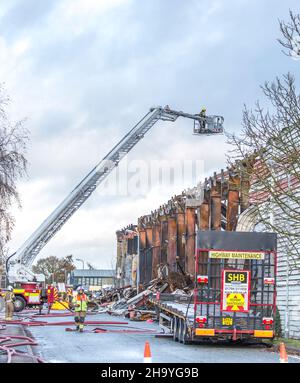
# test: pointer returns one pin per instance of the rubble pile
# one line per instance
(133, 304)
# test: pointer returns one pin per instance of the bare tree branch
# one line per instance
(13, 139)
(291, 35)
(270, 142)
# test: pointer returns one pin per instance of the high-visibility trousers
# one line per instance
(9, 310)
(79, 318)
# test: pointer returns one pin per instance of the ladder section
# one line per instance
(28, 252)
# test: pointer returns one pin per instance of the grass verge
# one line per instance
(288, 342)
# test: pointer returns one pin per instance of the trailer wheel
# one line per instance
(182, 331)
(19, 303)
(175, 329)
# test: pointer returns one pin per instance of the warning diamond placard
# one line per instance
(235, 290)
(235, 302)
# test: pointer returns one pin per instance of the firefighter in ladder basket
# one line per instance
(203, 122)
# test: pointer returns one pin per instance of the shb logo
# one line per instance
(295, 52)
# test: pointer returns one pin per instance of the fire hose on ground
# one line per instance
(49, 315)
(66, 323)
(10, 350)
(131, 329)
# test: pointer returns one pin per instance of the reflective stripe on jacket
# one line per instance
(80, 300)
(9, 296)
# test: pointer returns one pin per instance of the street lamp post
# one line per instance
(81, 260)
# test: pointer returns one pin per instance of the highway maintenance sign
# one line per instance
(235, 291)
(225, 254)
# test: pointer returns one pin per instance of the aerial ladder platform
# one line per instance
(18, 265)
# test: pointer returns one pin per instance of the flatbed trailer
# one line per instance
(176, 315)
(235, 290)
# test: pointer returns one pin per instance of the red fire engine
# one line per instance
(34, 294)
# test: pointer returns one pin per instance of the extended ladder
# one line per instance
(26, 254)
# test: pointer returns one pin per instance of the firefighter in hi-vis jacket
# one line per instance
(9, 303)
(80, 302)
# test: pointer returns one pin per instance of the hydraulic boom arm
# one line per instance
(25, 255)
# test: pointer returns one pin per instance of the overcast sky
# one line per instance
(83, 72)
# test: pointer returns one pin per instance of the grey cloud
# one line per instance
(23, 15)
(95, 85)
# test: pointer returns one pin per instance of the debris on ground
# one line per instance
(130, 303)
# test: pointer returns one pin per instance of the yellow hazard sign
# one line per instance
(227, 321)
(235, 302)
(235, 290)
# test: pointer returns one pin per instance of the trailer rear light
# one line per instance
(263, 334)
(201, 319)
(269, 281)
(267, 321)
(205, 332)
(202, 278)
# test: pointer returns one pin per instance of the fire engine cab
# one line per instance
(34, 294)
(29, 294)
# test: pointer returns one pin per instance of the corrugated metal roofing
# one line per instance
(94, 273)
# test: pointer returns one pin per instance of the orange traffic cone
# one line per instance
(147, 353)
(283, 358)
